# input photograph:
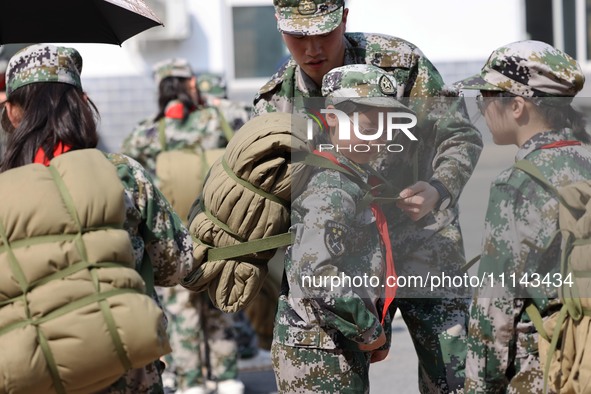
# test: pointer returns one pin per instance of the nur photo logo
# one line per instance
(379, 137)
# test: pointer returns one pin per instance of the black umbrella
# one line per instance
(75, 21)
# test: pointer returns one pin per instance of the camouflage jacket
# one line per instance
(235, 113)
(157, 234)
(201, 130)
(520, 221)
(334, 238)
(448, 148)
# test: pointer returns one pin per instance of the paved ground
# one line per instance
(398, 373)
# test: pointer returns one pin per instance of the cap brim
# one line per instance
(378, 102)
(476, 82)
(310, 25)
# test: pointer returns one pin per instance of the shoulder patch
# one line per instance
(335, 235)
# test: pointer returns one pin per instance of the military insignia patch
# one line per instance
(334, 237)
(307, 7)
(387, 85)
(205, 86)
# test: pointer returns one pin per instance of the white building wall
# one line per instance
(445, 30)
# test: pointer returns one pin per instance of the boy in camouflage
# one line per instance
(184, 122)
(424, 225)
(526, 93)
(325, 337)
(43, 90)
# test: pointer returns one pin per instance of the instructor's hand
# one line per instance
(418, 200)
(378, 355)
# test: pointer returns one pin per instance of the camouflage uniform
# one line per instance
(201, 130)
(213, 88)
(447, 151)
(157, 234)
(317, 330)
(192, 318)
(520, 221)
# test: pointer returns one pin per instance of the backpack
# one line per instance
(181, 173)
(565, 336)
(74, 313)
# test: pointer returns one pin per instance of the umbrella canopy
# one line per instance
(75, 21)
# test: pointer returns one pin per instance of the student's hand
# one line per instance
(378, 355)
(418, 200)
(381, 341)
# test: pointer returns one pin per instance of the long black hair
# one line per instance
(176, 88)
(566, 116)
(52, 113)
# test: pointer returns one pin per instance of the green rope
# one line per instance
(252, 187)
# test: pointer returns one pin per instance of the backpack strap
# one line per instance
(470, 263)
(147, 274)
(249, 247)
(529, 168)
(226, 129)
(162, 133)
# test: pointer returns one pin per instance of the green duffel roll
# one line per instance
(246, 203)
(74, 316)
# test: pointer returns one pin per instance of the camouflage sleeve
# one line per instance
(511, 235)
(277, 94)
(156, 231)
(264, 104)
(458, 143)
(318, 255)
(139, 145)
(213, 133)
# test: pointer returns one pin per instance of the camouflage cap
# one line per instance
(529, 69)
(212, 84)
(43, 63)
(361, 84)
(175, 67)
(308, 17)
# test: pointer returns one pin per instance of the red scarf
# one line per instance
(560, 144)
(382, 226)
(41, 158)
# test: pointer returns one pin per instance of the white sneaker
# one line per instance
(230, 386)
(193, 390)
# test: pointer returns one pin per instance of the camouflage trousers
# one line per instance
(202, 339)
(438, 329)
(320, 371)
(529, 376)
(524, 373)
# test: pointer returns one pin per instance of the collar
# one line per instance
(539, 140)
(306, 85)
(41, 157)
